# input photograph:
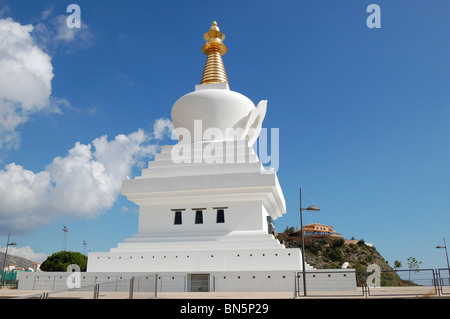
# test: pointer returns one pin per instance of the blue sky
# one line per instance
(362, 113)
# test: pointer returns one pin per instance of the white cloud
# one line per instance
(25, 80)
(25, 252)
(162, 127)
(64, 33)
(53, 33)
(26, 70)
(83, 184)
(5, 11)
(46, 13)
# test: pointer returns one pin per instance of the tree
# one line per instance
(61, 260)
(289, 230)
(413, 264)
(397, 264)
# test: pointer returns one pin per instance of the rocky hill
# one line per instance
(332, 254)
(323, 255)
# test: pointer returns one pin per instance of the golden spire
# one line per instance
(214, 71)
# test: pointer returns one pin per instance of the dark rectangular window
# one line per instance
(177, 218)
(220, 216)
(199, 217)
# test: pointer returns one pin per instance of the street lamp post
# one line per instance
(310, 208)
(446, 255)
(65, 230)
(4, 261)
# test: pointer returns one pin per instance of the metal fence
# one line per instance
(417, 282)
(388, 283)
(443, 281)
(384, 284)
(96, 287)
(10, 278)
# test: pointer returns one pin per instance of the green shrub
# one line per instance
(338, 242)
(61, 260)
(335, 254)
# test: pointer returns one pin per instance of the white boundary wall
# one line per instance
(229, 281)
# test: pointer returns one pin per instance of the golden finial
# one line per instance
(214, 48)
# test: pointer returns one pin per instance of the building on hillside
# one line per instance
(312, 231)
(316, 230)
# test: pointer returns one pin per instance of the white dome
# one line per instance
(212, 107)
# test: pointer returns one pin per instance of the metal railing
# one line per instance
(146, 285)
(443, 281)
(341, 283)
(9, 278)
(417, 282)
(390, 283)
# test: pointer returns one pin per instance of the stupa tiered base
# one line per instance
(206, 212)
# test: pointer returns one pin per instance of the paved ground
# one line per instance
(375, 293)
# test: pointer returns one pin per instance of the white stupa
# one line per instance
(206, 204)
